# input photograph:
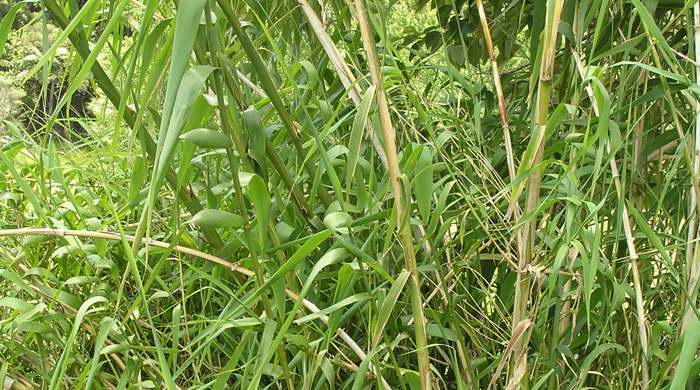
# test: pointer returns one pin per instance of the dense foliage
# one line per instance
(329, 194)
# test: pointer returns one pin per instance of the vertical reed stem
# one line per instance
(528, 232)
(499, 90)
(692, 255)
(402, 223)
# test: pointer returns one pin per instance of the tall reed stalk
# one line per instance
(692, 253)
(527, 235)
(401, 208)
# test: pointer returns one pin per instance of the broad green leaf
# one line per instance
(207, 138)
(331, 257)
(224, 374)
(555, 119)
(62, 363)
(190, 88)
(217, 219)
(138, 177)
(361, 373)
(186, 26)
(597, 351)
(265, 349)
(253, 122)
(387, 307)
(686, 359)
(338, 221)
(284, 231)
(181, 92)
(260, 197)
(105, 327)
(16, 304)
(356, 135)
(6, 25)
(590, 267)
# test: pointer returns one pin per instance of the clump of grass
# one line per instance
(292, 195)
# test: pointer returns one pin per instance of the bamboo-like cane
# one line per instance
(499, 90)
(342, 69)
(692, 254)
(402, 224)
(528, 232)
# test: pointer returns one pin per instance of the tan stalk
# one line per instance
(341, 67)
(528, 232)
(566, 307)
(517, 334)
(638, 136)
(627, 226)
(310, 306)
(402, 224)
(659, 154)
(692, 253)
(349, 81)
(258, 91)
(499, 90)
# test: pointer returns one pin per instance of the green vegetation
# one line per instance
(319, 194)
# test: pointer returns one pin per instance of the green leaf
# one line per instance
(284, 231)
(186, 26)
(62, 363)
(686, 359)
(192, 84)
(656, 35)
(217, 219)
(138, 177)
(361, 374)
(357, 133)
(597, 351)
(106, 325)
(265, 348)
(253, 123)
(590, 268)
(423, 186)
(331, 257)
(207, 138)
(16, 304)
(387, 307)
(260, 197)
(338, 221)
(6, 25)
